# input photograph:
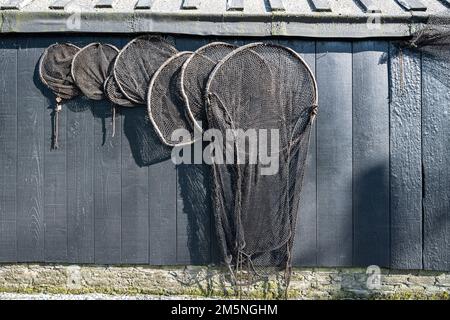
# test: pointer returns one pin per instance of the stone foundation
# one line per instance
(311, 283)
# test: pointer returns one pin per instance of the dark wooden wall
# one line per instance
(377, 189)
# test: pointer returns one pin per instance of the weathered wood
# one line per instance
(8, 149)
(412, 5)
(105, 4)
(80, 183)
(334, 154)
(190, 4)
(162, 199)
(370, 154)
(320, 5)
(59, 4)
(235, 5)
(369, 6)
(144, 4)
(135, 203)
(436, 163)
(276, 5)
(305, 243)
(406, 163)
(15, 4)
(30, 159)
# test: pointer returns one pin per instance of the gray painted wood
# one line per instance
(162, 198)
(436, 161)
(30, 164)
(8, 149)
(59, 4)
(305, 244)
(370, 154)
(334, 154)
(135, 202)
(406, 163)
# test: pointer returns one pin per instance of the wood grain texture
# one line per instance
(305, 243)
(406, 162)
(30, 165)
(334, 154)
(162, 197)
(8, 149)
(436, 163)
(370, 154)
(135, 204)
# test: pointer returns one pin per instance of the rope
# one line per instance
(58, 108)
(113, 121)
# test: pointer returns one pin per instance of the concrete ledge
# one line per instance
(317, 283)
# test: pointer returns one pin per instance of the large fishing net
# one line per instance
(90, 68)
(166, 107)
(113, 93)
(195, 74)
(136, 64)
(267, 91)
(55, 72)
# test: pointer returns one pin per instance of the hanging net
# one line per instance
(113, 93)
(195, 74)
(166, 108)
(90, 68)
(136, 64)
(55, 72)
(264, 89)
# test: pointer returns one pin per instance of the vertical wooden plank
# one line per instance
(30, 169)
(436, 163)
(162, 198)
(8, 149)
(80, 177)
(371, 221)
(406, 162)
(55, 186)
(334, 154)
(135, 188)
(194, 219)
(305, 244)
(107, 179)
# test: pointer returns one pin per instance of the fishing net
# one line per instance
(113, 93)
(195, 74)
(136, 64)
(90, 68)
(166, 107)
(265, 89)
(432, 40)
(55, 73)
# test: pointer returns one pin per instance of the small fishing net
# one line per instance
(195, 74)
(113, 93)
(90, 68)
(166, 108)
(55, 72)
(262, 89)
(136, 64)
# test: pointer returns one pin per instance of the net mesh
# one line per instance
(55, 70)
(136, 64)
(113, 93)
(166, 107)
(90, 68)
(195, 74)
(260, 86)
